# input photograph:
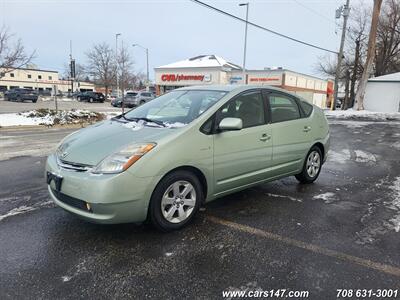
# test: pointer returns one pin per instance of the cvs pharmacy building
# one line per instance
(212, 69)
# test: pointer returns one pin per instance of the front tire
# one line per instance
(91, 100)
(175, 201)
(312, 166)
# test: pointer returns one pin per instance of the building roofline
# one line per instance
(31, 69)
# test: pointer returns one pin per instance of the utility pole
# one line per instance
(359, 102)
(116, 61)
(147, 64)
(342, 11)
(72, 66)
(245, 41)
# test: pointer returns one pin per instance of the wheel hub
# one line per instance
(178, 201)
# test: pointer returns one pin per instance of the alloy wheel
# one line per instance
(178, 201)
(313, 164)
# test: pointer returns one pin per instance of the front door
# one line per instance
(244, 156)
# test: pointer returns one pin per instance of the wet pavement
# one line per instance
(342, 232)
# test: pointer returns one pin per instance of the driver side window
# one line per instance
(248, 106)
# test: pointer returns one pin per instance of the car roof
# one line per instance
(232, 88)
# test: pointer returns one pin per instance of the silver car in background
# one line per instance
(138, 98)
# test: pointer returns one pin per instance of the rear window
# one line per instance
(307, 108)
(131, 94)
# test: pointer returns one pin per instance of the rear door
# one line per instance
(291, 132)
(242, 157)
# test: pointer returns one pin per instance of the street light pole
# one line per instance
(245, 41)
(116, 60)
(147, 62)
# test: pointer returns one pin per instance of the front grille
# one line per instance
(71, 201)
(73, 166)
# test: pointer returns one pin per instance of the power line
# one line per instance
(261, 27)
(315, 12)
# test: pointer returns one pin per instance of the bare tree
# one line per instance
(101, 65)
(359, 101)
(12, 54)
(387, 55)
(125, 69)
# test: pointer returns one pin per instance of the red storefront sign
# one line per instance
(181, 77)
(263, 79)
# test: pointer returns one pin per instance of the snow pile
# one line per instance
(362, 115)
(50, 117)
(134, 125)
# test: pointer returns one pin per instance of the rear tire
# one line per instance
(175, 201)
(312, 166)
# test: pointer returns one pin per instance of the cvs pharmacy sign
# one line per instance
(182, 77)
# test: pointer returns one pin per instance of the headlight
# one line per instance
(123, 159)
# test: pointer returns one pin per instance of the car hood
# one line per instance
(91, 145)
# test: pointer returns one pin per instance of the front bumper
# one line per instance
(112, 198)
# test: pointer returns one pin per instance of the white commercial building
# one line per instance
(40, 80)
(212, 69)
(383, 93)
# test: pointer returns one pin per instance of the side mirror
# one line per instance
(230, 124)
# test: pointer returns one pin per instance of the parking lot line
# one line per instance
(310, 247)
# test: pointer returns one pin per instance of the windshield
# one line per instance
(177, 108)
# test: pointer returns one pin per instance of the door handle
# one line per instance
(307, 128)
(265, 137)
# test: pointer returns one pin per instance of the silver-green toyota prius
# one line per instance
(164, 159)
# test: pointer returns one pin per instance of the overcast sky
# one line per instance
(174, 30)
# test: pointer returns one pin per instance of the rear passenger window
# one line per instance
(283, 108)
(307, 108)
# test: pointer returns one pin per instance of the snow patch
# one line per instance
(327, 197)
(364, 157)
(362, 114)
(396, 145)
(175, 125)
(49, 117)
(24, 209)
(283, 196)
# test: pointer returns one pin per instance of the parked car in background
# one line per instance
(116, 102)
(91, 97)
(166, 158)
(129, 101)
(139, 97)
(20, 95)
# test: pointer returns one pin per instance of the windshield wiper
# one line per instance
(161, 123)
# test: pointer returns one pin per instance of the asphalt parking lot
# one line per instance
(342, 232)
(63, 104)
